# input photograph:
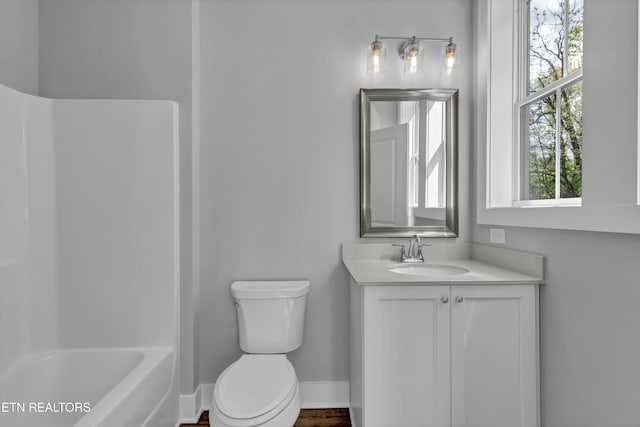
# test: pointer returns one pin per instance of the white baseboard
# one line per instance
(207, 397)
(324, 394)
(189, 406)
(313, 394)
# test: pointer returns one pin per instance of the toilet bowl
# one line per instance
(256, 390)
(261, 388)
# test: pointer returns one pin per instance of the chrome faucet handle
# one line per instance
(403, 253)
(419, 251)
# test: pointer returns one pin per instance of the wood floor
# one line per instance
(307, 418)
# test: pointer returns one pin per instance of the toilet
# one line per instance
(261, 387)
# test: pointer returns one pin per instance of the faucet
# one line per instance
(414, 252)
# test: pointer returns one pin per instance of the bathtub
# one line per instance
(86, 388)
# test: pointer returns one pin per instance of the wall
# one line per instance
(19, 45)
(589, 306)
(128, 49)
(279, 153)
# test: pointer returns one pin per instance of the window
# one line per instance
(426, 154)
(529, 101)
(549, 107)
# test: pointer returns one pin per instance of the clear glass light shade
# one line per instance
(375, 60)
(449, 58)
(411, 57)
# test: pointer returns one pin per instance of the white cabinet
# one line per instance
(444, 356)
(406, 356)
(494, 356)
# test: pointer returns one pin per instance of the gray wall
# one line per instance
(128, 49)
(19, 45)
(279, 165)
(589, 308)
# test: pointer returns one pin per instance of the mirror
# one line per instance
(408, 162)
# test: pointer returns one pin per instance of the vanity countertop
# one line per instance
(369, 264)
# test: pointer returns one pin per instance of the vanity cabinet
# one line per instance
(444, 356)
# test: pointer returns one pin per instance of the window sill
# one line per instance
(609, 218)
(573, 202)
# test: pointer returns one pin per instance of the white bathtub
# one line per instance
(86, 388)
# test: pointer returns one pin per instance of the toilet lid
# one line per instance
(254, 385)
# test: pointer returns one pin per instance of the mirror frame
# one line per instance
(450, 98)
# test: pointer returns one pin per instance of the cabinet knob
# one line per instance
(444, 299)
(459, 299)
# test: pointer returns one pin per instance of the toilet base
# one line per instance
(286, 418)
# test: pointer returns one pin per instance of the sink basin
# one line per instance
(431, 270)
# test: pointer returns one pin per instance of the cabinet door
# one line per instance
(494, 356)
(406, 356)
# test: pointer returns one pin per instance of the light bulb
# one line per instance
(413, 60)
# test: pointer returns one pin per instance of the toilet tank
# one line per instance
(270, 315)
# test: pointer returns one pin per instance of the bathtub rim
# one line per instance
(150, 361)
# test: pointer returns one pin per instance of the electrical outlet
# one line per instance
(497, 235)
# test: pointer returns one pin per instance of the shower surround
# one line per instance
(88, 261)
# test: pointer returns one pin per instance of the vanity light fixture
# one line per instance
(410, 52)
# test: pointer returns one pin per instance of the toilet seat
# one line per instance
(254, 389)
